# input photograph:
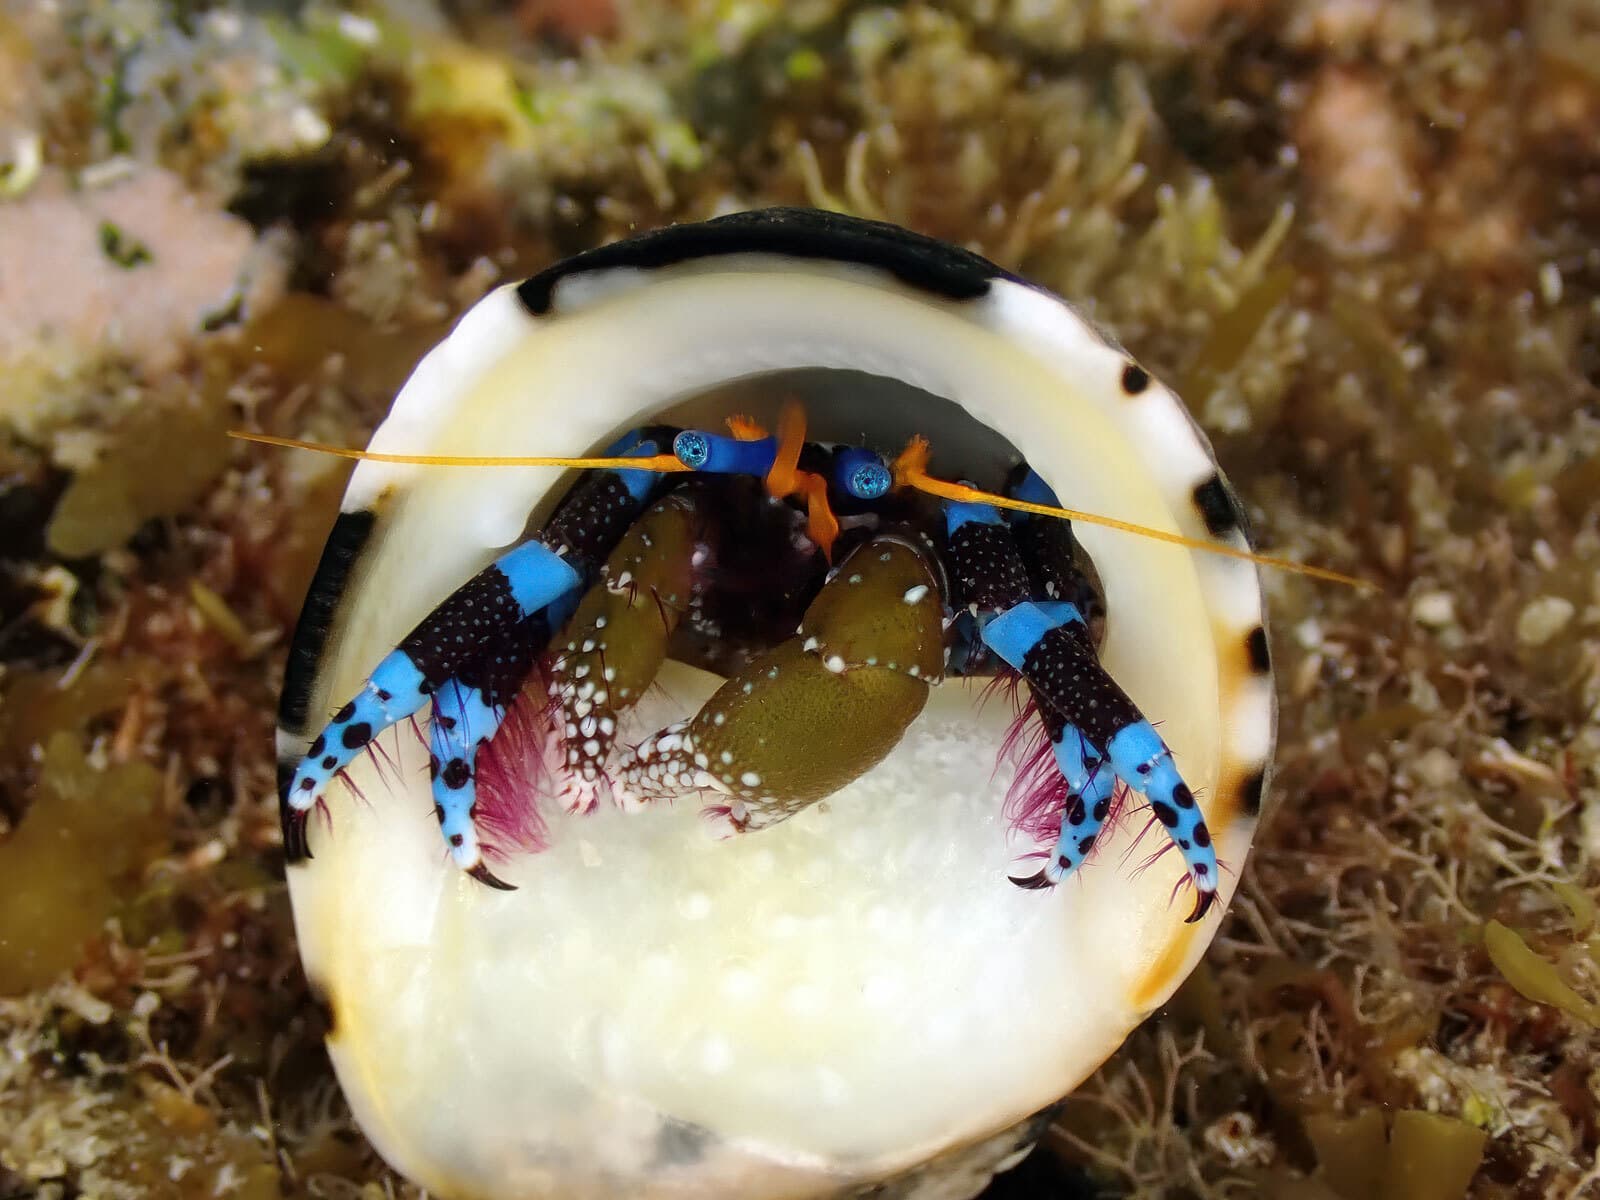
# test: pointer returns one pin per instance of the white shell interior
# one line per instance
(655, 1012)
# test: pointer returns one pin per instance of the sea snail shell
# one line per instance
(856, 995)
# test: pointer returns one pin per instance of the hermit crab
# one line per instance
(761, 519)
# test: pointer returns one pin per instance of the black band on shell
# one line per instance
(921, 262)
(346, 541)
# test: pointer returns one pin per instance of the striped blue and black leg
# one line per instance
(467, 712)
(987, 578)
(487, 607)
(479, 623)
(464, 720)
(1058, 660)
(1049, 549)
(1089, 779)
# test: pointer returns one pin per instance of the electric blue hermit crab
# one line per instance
(821, 534)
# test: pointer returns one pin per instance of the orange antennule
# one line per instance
(821, 525)
(656, 462)
(746, 429)
(783, 479)
(910, 470)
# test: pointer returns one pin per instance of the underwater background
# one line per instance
(1361, 238)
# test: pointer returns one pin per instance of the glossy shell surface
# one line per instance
(854, 992)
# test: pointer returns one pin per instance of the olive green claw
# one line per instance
(820, 709)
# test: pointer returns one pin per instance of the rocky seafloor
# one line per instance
(1362, 238)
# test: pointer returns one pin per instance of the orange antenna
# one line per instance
(657, 462)
(910, 470)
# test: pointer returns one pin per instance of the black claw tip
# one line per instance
(1032, 883)
(1203, 900)
(296, 846)
(483, 875)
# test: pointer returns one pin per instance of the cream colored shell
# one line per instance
(839, 998)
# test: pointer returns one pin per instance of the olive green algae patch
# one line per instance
(158, 463)
(74, 860)
(1533, 976)
(1431, 1157)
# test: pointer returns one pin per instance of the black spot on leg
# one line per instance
(317, 747)
(1075, 812)
(433, 766)
(456, 774)
(456, 839)
(1085, 845)
(1202, 835)
(1256, 647)
(329, 763)
(345, 713)
(1182, 796)
(356, 736)
(1219, 507)
(1102, 809)
(1164, 813)
(307, 785)
(1134, 379)
(1250, 792)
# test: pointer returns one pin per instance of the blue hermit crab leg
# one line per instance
(1049, 646)
(490, 604)
(1059, 663)
(1090, 781)
(464, 719)
(488, 610)
(1049, 548)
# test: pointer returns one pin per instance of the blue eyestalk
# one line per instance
(861, 474)
(718, 455)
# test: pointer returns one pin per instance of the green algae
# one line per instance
(1431, 1158)
(1533, 976)
(76, 857)
(162, 460)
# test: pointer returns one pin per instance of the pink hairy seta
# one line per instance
(512, 771)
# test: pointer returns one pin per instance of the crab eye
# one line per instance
(863, 474)
(692, 448)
